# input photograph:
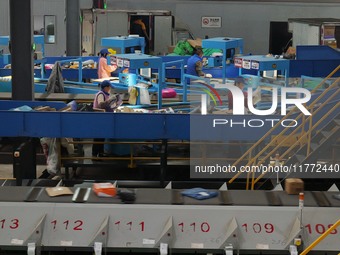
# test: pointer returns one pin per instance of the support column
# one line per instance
(21, 50)
(73, 28)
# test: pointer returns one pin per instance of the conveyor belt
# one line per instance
(170, 196)
(266, 221)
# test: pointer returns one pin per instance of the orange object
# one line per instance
(301, 196)
(105, 189)
(301, 199)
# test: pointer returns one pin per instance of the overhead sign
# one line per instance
(211, 22)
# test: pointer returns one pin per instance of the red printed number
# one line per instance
(257, 228)
(129, 225)
(76, 225)
(203, 227)
(12, 224)
(320, 229)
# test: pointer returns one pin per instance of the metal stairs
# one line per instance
(313, 135)
(321, 141)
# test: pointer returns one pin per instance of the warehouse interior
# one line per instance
(160, 127)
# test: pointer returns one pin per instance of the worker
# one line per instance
(239, 82)
(337, 36)
(106, 102)
(195, 63)
(139, 28)
(105, 70)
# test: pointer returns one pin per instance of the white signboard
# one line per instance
(211, 22)
(238, 62)
(255, 65)
(120, 62)
(246, 64)
(113, 60)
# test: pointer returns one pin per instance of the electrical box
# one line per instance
(214, 61)
(128, 79)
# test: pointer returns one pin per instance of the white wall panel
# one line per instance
(53, 7)
(4, 17)
(249, 20)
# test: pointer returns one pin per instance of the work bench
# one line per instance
(123, 42)
(264, 63)
(224, 43)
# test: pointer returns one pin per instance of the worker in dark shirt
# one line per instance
(139, 28)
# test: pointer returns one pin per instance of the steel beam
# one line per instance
(21, 49)
(72, 28)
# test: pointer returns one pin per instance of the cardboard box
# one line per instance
(328, 32)
(195, 43)
(171, 48)
(293, 186)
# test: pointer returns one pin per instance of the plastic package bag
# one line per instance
(199, 193)
(116, 101)
(144, 96)
(50, 148)
(132, 95)
(65, 142)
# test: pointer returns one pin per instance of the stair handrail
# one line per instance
(311, 127)
(248, 152)
(320, 238)
(300, 139)
(325, 79)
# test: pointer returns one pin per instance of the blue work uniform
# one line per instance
(191, 64)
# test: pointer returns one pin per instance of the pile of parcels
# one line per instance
(186, 48)
(104, 190)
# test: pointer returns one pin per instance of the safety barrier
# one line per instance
(160, 155)
(320, 238)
